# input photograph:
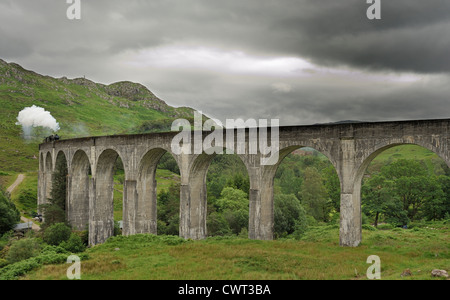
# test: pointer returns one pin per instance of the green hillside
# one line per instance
(80, 106)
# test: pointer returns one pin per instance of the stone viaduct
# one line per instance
(350, 148)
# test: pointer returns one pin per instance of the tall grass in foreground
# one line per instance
(316, 256)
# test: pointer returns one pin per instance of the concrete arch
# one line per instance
(193, 219)
(265, 207)
(101, 211)
(380, 147)
(367, 159)
(79, 191)
(48, 162)
(60, 174)
(144, 215)
(61, 157)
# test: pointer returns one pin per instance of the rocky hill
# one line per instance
(80, 106)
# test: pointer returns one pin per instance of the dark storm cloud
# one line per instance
(223, 57)
(411, 35)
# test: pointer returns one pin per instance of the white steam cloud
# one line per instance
(36, 116)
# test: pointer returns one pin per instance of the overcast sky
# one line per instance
(302, 61)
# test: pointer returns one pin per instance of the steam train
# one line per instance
(51, 138)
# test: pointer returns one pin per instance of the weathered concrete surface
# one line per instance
(350, 148)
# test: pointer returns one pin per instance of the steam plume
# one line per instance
(36, 116)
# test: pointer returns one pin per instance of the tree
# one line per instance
(54, 210)
(314, 195)
(9, 214)
(438, 211)
(168, 206)
(333, 187)
(404, 168)
(290, 184)
(377, 192)
(233, 204)
(404, 191)
(289, 215)
(240, 182)
(59, 186)
(56, 234)
(232, 199)
(414, 192)
(217, 225)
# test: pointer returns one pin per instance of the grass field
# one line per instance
(317, 256)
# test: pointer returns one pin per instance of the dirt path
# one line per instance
(33, 226)
(18, 181)
(11, 188)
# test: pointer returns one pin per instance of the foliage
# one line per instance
(217, 225)
(59, 185)
(404, 191)
(290, 184)
(9, 215)
(233, 204)
(333, 187)
(167, 162)
(27, 199)
(54, 210)
(314, 195)
(48, 255)
(168, 206)
(74, 244)
(56, 234)
(226, 171)
(23, 249)
(376, 192)
(289, 216)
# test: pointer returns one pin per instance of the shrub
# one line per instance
(22, 249)
(368, 227)
(18, 269)
(386, 226)
(9, 215)
(57, 233)
(3, 262)
(73, 244)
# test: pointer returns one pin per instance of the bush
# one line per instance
(3, 262)
(9, 215)
(57, 233)
(49, 255)
(386, 226)
(289, 216)
(74, 244)
(368, 227)
(22, 249)
(217, 225)
(18, 269)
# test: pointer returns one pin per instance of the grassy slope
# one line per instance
(317, 256)
(82, 107)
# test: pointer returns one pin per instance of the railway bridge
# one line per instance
(90, 161)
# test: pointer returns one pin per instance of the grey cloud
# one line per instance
(412, 36)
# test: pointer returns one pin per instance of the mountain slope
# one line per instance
(82, 108)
